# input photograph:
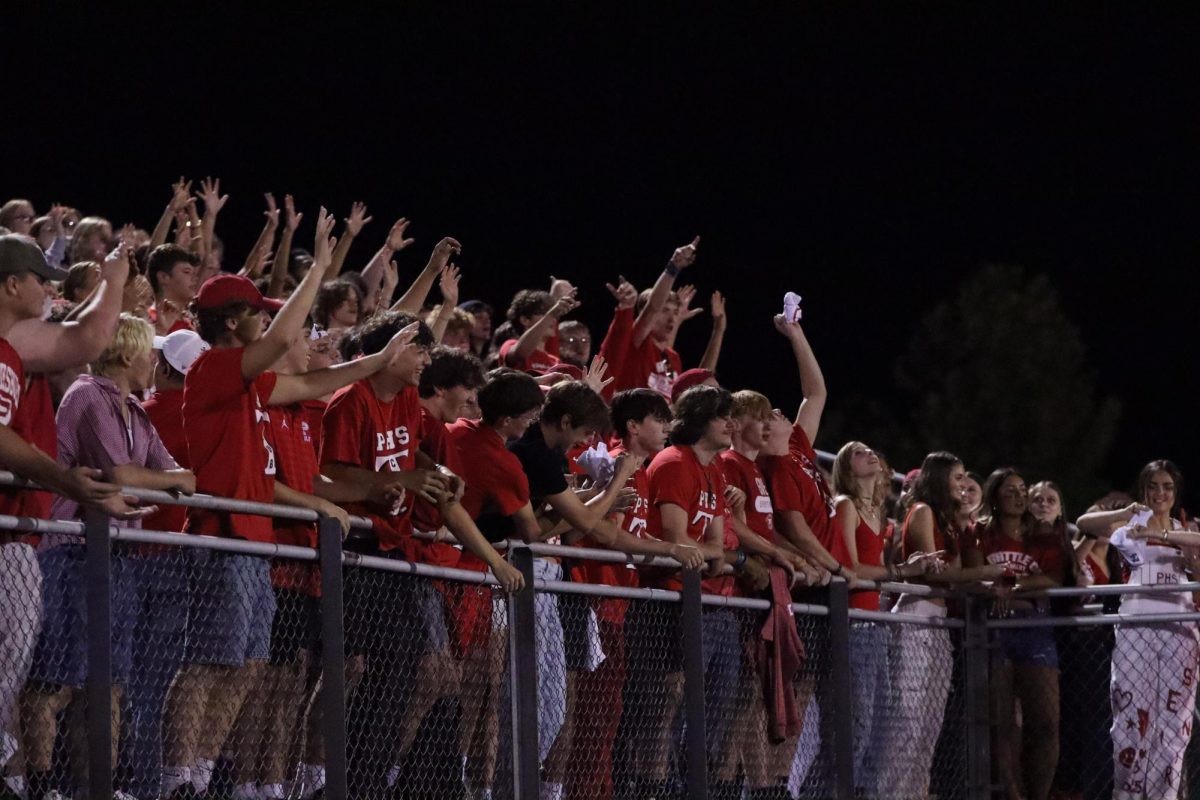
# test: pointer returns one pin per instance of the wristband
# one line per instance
(741, 558)
(671, 269)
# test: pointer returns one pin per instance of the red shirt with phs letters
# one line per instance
(676, 476)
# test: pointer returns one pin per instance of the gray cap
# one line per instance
(21, 254)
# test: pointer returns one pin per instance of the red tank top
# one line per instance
(870, 552)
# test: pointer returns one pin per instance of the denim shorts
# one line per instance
(61, 656)
(231, 608)
(1032, 647)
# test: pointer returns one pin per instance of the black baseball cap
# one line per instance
(21, 254)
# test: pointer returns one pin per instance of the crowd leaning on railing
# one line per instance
(134, 361)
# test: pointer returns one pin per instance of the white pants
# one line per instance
(20, 622)
(1153, 697)
(921, 661)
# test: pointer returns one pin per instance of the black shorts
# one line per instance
(653, 638)
(296, 628)
(382, 615)
(573, 611)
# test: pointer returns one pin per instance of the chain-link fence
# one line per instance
(136, 664)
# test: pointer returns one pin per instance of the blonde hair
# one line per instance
(460, 321)
(133, 337)
(750, 403)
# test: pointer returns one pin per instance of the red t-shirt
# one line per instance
(296, 462)
(31, 417)
(615, 347)
(314, 416)
(649, 365)
(539, 362)
(363, 431)
(1037, 554)
(435, 443)
(797, 484)
(633, 522)
(744, 474)
(676, 476)
(496, 485)
(229, 442)
(165, 410)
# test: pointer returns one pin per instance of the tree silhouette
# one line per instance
(998, 375)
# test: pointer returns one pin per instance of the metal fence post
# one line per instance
(842, 694)
(522, 675)
(98, 575)
(975, 679)
(695, 742)
(333, 658)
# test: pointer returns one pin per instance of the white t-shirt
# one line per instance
(1151, 563)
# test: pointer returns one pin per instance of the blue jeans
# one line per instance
(870, 683)
(161, 591)
(722, 664)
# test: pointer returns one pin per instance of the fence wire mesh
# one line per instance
(217, 691)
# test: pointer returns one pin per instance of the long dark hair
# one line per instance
(932, 487)
(991, 503)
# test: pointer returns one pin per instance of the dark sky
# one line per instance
(867, 159)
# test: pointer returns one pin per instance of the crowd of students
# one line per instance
(136, 359)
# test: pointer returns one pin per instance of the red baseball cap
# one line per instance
(221, 290)
(570, 370)
(689, 379)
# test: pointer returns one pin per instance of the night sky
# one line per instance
(867, 159)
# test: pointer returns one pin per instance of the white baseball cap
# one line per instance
(181, 349)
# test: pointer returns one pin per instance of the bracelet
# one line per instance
(671, 269)
(741, 558)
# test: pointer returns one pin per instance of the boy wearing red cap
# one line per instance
(227, 392)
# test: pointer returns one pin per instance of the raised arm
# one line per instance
(448, 284)
(50, 347)
(289, 321)
(291, 389)
(682, 258)
(712, 353)
(1102, 523)
(538, 331)
(812, 382)
(414, 299)
(373, 273)
(214, 201)
(262, 247)
(181, 195)
(279, 266)
(354, 225)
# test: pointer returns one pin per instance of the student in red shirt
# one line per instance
(857, 474)
(640, 419)
(647, 359)
(451, 379)
(497, 498)
(801, 497)
(227, 393)
(687, 505)
(174, 274)
(534, 317)
(573, 413)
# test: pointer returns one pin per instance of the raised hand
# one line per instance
(443, 251)
(400, 341)
(324, 244)
(116, 265)
(686, 295)
(448, 284)
(291, 219)
(128, 234)
(560, 287)
(624, 292)
(210, 193)
(717, 306)
(596, 379)
(789, 329)
(563, 306)
(395, 239)
(358, 217)
(685, 256)
(391, 279)
(138, 296)
(272, 212)
(181, 194)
